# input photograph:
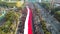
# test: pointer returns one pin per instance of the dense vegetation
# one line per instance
(44, 27)
(57, 15)
(55, 11)
(11, 22)
(11, 5)
(46, 5)
(5, 4)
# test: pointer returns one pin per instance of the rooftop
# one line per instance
(57, 1)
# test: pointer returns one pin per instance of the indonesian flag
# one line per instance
(28, 22)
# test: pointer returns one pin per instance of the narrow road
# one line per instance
(28, 22)
(2, 17)
(33, 26)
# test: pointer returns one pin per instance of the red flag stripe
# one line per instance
(30, 22)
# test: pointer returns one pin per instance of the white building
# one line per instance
(9, 0)
(33, 0)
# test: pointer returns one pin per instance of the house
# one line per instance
(55, 1)
(46, 1)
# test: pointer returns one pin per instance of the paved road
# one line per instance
(36, 23)
(36, 20)
(49, 19)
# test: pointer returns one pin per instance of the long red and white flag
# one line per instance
(28, 22)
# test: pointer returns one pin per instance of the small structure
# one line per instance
(3, 12)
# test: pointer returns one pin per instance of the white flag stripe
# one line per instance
(26, 21)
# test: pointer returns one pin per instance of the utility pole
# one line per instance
(52, 4)
(24, 1)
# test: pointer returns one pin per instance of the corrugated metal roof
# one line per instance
(57, 1)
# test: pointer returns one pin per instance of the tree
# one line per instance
(57, 15)
(47, 33)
